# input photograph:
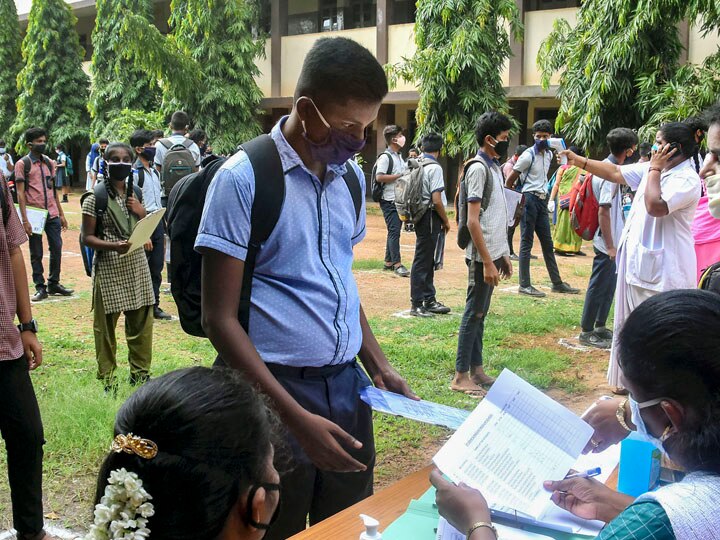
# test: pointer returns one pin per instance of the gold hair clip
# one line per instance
(132, 444)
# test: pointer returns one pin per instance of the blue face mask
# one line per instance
(540, 145)
(641, 428)
(655, 147)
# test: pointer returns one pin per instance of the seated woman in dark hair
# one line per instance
(192, 458)
(669, 351)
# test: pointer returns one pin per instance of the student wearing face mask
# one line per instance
(148, 180)
(6, 161)
(120, 285)
(388, 168)
(530, 173)
(98, 170)
(656, 251)
(674, 382)
(306, 323)
(488, 255)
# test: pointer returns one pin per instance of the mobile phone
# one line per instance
(674, 146)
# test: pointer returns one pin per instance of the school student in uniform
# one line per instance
(120, 285)
(488, 254)
(143, 142)
(432, 224)
(306, 322)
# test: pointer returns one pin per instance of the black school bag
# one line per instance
(377, 188)
(185, 208)
(101, 201)
(710, 279)
(461, 204)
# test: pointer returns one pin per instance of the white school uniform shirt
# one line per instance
(659, 253)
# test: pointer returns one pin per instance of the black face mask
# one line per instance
(39, 147)
(502, 147)
(119, 171)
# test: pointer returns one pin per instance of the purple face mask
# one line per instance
(337, 147)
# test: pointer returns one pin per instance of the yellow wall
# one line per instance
(701, 47)
(538, 25)
(296, 7)
(294, 49)
(265, 65)
(401, 44)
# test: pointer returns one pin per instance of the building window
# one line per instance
(402, 11)
(539, 5)
(333, 16)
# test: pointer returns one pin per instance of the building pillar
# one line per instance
(385, 117)
(383, 14)
(278, 28)
(684, 35)
(517, 50)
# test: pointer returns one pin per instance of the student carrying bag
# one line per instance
(461, 203)
(409, 191)
(377, 188)
(185, 208)
(177, 163)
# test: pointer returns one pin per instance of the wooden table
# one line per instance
(386, 506)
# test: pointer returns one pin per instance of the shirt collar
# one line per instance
(33, 158)
(490, 161)
(612, 159)
(428, 156)
(290, 158)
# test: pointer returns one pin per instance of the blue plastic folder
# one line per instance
(420, 521)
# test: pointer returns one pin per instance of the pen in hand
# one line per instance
(585, 474)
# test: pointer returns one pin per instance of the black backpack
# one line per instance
(27, 165)
(185, 208)
(710, 279)
(377, 188)
(101, 201)
(461, 204)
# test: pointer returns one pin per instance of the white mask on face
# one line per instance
(642, 430)
(400, 141)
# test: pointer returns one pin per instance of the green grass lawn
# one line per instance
(78, 416)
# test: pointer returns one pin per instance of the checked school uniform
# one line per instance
(304, 314)
(120, 285)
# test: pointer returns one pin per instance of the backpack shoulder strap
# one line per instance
(267, 204)
(527, 173)
(167, 143)
(390, 159)
(138, 193)
(27, 165)
(101, 198)
(353, 184)
(187, 143)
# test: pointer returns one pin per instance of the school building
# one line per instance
(385, 27)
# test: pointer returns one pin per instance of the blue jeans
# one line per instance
(534, 221)
(472, 325)
(600, 292)
(393, 224)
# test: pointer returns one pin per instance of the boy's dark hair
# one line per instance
(696, 122)
(140, 137)
(712, 114)
(520, 149)
(179, 120)
(390, 132)
(544, 126)
(186, 413)
(491, 123)
(339, 69)
(621, 139)
(197, 135)
(158, 133)
(414, 149)
(679, 132)
(103, 141)
(60, 147)
(2, 142)
(432, 142)
(645, 149)
(34, 133)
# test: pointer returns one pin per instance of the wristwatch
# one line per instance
(31, 326)
(620, 415)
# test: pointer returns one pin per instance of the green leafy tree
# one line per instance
(117, 82)
(620, 67)
(461, 48)
(53, 87)
(121, 125)
(10, 63)
(207, 65)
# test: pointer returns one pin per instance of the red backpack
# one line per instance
(584, 209)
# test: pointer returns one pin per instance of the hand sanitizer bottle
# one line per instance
(371, 528)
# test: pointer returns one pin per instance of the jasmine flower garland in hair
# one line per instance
(123, 511)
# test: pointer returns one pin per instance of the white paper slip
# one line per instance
(512, 201)
(143, 230)
(422, 411)
(516, 438)
(445, 531)
(36, 216)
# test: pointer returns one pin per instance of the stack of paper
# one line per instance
(515, 439)
(445, 531)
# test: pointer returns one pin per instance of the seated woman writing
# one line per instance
(192, 458)
(669, 351)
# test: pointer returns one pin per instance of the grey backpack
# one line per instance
(409, 191)
(177, 163)
(461, 202)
